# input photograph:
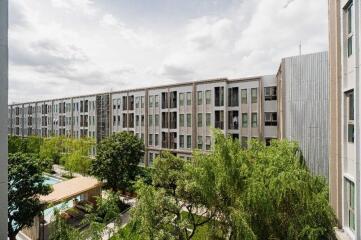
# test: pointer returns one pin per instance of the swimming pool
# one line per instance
(49, 180)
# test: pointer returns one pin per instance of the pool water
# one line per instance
(51, 180)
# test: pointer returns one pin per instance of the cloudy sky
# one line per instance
(63, 48)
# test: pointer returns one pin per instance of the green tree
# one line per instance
(60, 230)
(106, 210)
(117, 160)
(76, 157)
(52, 148)
(29, 144)
(25, 184)
(256, 193)
(172, 208)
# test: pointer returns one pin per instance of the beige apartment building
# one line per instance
(180, 117)
(344, 161)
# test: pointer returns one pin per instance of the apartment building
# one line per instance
(178, 117)
(303, 105)
(3, 119)
(344, 38)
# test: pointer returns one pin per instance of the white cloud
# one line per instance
(72, 47)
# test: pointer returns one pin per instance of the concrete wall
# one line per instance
(3, 115)
(305, 107)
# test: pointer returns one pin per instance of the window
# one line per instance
(137, 100)
(181, 99)
(233, 119)
(254, 120)
(245, 120)
(156, 120)
(173, 99)
(137, 120)
(142, 102)
(270, 93)
(181, 141)
(270, 119)
(156, 139)
(125, 103)
(350, 204)
(349, 10)
(219, 96)
(350, 116)
(199, 119)
(125, 120)
(151, 100)
(268, 141)
(173, 120)
(233, 97)
(181, 120)
(219, 119)
(199, 98)
(117, 124)
(189, 98)
(156, 101)
(189, 141)
(165, 120)
(254, 95)
(200, 142)
(150, 120)
(141, 120)
(208, 97)
(189, 120)
(150, 139)
(208, 119)
(164, 100)
(208, 143)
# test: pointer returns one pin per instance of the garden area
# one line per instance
(262, 192)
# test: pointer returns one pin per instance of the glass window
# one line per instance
(150, 139)
(208, 97)
(254, 95)
(270, 119)
(200, 142)
(270, 93)
(156, 120)
(181, 99)
(350, 204)
(181, 120)
(181, 141)
(156, 139)
(350, 116)
(254, 120)
(189, 98)
(189, 120)
(189, 141)
(244, 120)
(244, 96)
(208, 119)
(151, 100)
(156, 100)
(199, 98)
(200, 120)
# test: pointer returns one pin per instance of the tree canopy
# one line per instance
(25, 184)
(255, 193)
(117, 160)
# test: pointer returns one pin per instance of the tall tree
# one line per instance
(172, 208)
(117, 160)
(25, 184)
(257, 193)
(76, 157)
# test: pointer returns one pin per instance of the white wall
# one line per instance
(3, 116)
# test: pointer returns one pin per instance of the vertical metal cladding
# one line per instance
(306, 101)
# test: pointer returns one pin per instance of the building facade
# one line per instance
(3, 119)
(345, 140)
(177, 118)
(303, 107)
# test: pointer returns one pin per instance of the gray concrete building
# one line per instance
(303, 104)
(3, 118)
(345, 139)
(177, 117)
